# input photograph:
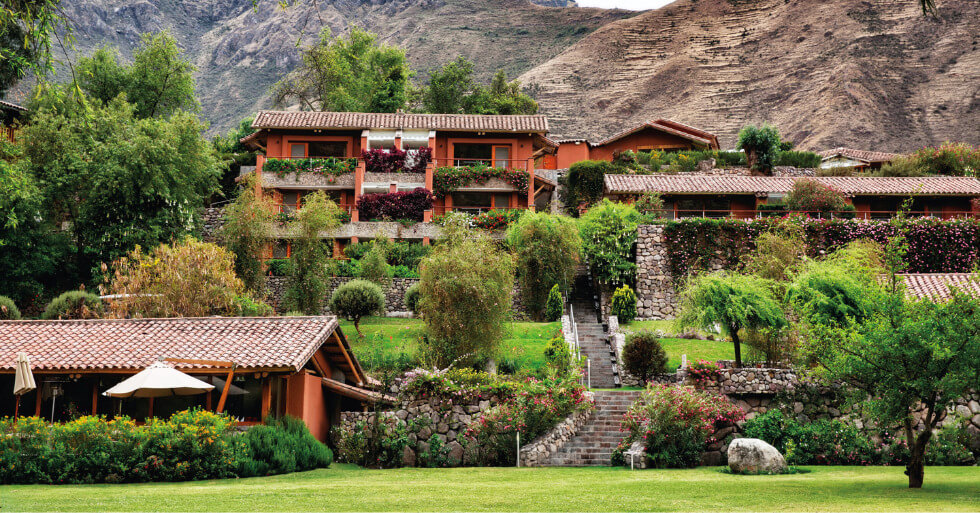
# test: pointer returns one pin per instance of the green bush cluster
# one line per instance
(8, 310)
(555, 306)
(248, 306)
(74, 304)
(623, 304)
(412, 298)
(279, 266)
(643, 355)
(801, 159)
(585, 183)
(558, 355)
(356, 299)
(402, 256)
(834, 442)
(192, 444)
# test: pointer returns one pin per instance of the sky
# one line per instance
(636, 5)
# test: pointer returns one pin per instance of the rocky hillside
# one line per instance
(868, 74)
(241, 50)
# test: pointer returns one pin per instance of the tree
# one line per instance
(233, 155)
(546, 249)
(352, 74)
(555, 306)
(8, 309)
(186, 279)
(26, 30)
(644, 356)
(114, 180)
(761, 146)
(584, 184)
(808, 195)
(466, 286)
(374, 263)
(904, 356)
(833, 291)
(608, 233)
(356, 299)
(448, 88)
(160, 81)
(246, 231)
(732, 302)
(311, 256)
(501, 97)
(623, 304)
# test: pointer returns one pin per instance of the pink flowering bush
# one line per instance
(949, 158)
(703, 372)
(675, 424)
(812, 196)
(396, 205)
(379, 160)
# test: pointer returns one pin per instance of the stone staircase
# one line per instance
(592, 337)
(594, 443)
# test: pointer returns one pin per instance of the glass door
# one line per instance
(501, 156)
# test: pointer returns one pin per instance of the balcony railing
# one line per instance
(513, 164)
(8, 133)
(841, 214)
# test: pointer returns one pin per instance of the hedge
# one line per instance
(935, 245)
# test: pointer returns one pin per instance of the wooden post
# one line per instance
(95, 397)
(16, 406)
(259, 163)
(37, 402)
(149, 414)
(224, 393)
(530, 184)
(266, 396)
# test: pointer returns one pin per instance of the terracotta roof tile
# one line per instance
(850, 185)
(936, 287)
(863, 155)
(365, 120)
(133, 344)
(678, 129)
(13, 106)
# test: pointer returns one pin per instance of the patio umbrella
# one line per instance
(158, 380)
(23, 379)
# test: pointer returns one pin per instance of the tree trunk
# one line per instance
(916, 467)
(738, 347)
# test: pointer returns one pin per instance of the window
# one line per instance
(318, 149)
(713, 207)
(280, 249)
(501, 200)
(472, 201)
(501, 156)
(467, 154)
(297, 150)
(291, 201)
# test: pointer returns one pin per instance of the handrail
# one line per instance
(835, 214)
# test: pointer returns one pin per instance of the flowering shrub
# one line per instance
(496, 219)
(935, 245)
(396, 161)
(329, 167)
(532, 411)
(676, 424)
(448, 179)
(396, 205)
(703, 372)
(192, 444)
(812, 196)
(952, 159)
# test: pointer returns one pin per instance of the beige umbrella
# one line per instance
(159, 380)
(23, 379)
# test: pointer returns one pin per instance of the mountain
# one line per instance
(240, 50)
(867, 74)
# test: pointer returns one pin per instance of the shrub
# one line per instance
(312, 256)
(546, 248)
(584, 184)
(844, 171)
(761, 145)
(246, 230)
(899, 166)
(949, 158)
(558, 355)
(448, 179)
(650, 204)
(812, 196)
(676, 423)
(250, 307)
(643, 356)
(8, 310)
(284, 445)
(608, 232)
(412, 298)
(279, 266)
(396, 205)
(403, 271)
(356, 299)
(396, 161)
(555, 307)
(683, 163)
(74, 304)
(623, 304)
(801, 159)
(374, 264)
(497, 219)
(330, 166)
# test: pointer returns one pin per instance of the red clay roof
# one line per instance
(365, 120)
(13, 106)
(670, 127)
(133, 344)
(862, 155)
(936, 287)
(850, 185)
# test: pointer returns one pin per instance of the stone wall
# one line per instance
(656, 297)
(212, 219)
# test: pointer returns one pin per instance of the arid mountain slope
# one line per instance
(868, 74)
(240, 51)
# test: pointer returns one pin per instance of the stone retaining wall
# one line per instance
(656, 297)
(538, 451)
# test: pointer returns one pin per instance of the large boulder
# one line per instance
(754, 456)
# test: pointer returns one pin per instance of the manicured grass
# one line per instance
(711, 350)
(389, 338)
(349, 488)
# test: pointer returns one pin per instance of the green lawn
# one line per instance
(349, 488)
(711, 350)
(386, 337)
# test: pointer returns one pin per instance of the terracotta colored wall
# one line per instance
(570, 153)
(642, 139)
(276, 145)
(305, 400)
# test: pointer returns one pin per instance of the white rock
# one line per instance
(754, 456)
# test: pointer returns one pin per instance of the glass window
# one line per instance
(297, 150)
(501, 200)
(501, 156)
(328, 149)
(290, 200)
(280, 249)
(471, 200)
(466, 154)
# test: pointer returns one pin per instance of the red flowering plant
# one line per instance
(379, 160)
(949, 158)
(396, 205)
(703, 372)
(448, 179)
(496, 219)
(675, 424)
